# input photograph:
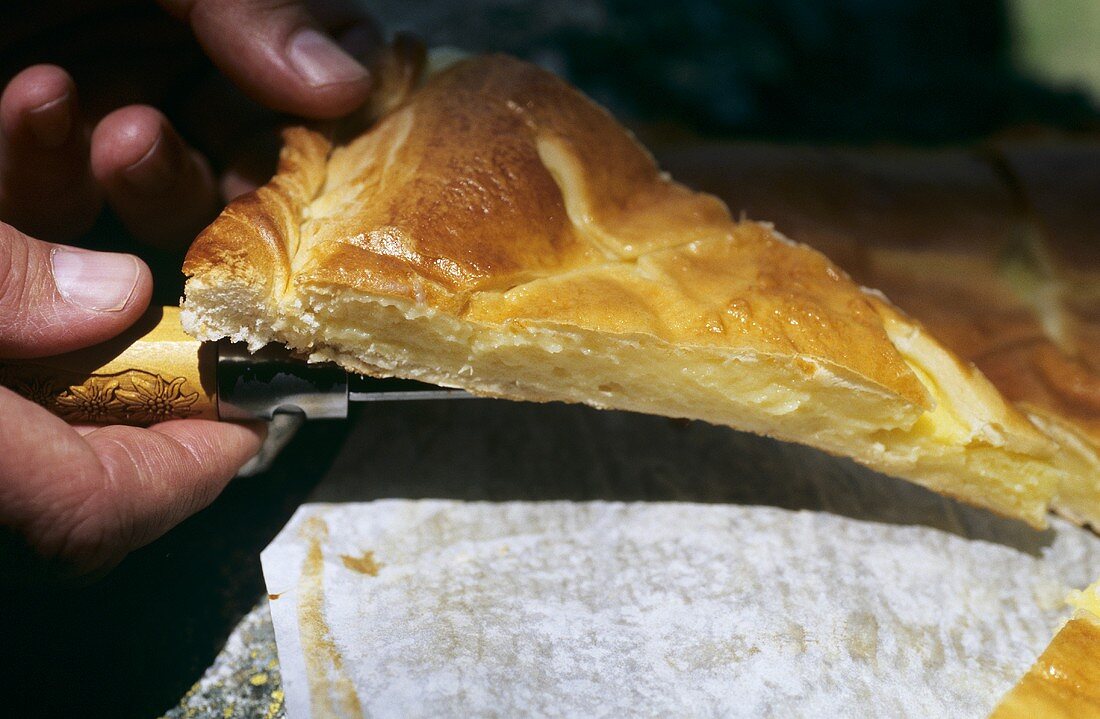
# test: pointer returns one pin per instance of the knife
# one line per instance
(155, 372)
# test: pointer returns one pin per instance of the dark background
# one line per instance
(858, 71)
(854, 71)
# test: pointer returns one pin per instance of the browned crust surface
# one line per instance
(499, 193)
(1064, 682)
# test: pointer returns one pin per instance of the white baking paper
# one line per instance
(436, 608)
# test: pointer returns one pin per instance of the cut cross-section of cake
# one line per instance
(499, 232)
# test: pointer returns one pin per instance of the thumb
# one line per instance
(276, 52)
(54, 298)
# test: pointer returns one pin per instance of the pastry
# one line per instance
(498, 232)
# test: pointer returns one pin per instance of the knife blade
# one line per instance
(156, 372)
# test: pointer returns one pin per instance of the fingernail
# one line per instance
(320, 61)
(50, 123)
(100, 281)
(158, 168)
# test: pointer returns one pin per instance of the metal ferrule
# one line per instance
(261, 384)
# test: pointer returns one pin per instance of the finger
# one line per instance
(277, 52)
(54, 298)
(88, 500)
(46, 188)
(157, 477)
(46, 473)
(161, 189)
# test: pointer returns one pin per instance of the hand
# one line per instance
(84, 496)
(141, 81)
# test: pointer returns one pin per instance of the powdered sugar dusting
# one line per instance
(673, 609)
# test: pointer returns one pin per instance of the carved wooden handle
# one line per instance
(151, 373)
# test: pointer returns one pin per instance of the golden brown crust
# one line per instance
(445, 202)
(498, 197)
(1065, 680)
(428, 206)
(460, 226)
(254, 238)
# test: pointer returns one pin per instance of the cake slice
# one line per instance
(498, 232)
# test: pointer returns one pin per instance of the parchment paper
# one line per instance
(883, 600)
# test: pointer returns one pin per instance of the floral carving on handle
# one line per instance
(157, 399)
(93, 401)
(130, 397)
(39, 390)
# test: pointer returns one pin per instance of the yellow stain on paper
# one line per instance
(364, 564)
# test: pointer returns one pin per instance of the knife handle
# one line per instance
(151, 373)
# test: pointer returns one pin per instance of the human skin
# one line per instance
(78, 498)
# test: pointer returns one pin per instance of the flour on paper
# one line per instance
(653, 609)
